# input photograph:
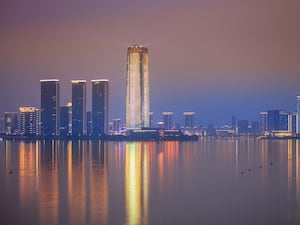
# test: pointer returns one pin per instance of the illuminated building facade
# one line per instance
(100, 107)
(189, 120)
(50, 107)
(29, 121)
(167, 119)
(292, 121)
(298, 115)
(66, 119)
(11, 123)
(78, 107)
(137, 88)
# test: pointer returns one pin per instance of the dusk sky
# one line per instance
(216, 57)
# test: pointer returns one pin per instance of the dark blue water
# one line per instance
(212, 181)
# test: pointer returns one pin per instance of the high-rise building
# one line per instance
(189, 120)
(29, 121)
(292, 122)
(254, 127)
(100, 107)
(298, 115)
(11, 123)
(263, 121)
(137, 88)
(50, 107)
(66, 119)
(168, 120)
(243, 126)
(283, 120)
(273, 120)
(78, 107)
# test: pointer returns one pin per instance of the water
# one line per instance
(211, 181)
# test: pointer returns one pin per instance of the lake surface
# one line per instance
(211, 181)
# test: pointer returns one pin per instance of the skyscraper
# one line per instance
(283, 120)
(167, 118)
(50, 107)
(29, 121)
(78, 107)
(298, 115)
(137, 88)
(189, 118)
(273, 120)
(66, 119)
(263, 121)
(100, 107)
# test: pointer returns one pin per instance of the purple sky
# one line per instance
(214, 57)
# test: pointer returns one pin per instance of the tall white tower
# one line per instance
(137, 88)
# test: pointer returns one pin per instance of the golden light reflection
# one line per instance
(290, 167)
(137, 183)
(27, 173)
(167, 160)
(48, 184)
(99, 183)
(133, 183)
(297, 181)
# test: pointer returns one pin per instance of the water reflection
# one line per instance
(95, 182)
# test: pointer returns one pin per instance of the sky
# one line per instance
(216, 57)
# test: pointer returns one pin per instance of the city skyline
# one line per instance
(228, 59)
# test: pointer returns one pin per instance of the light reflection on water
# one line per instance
(211, 181)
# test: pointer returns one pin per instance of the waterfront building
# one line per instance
(168, 120)
(66, 119)
(78, 107)
(189, 120)
(50, 121)
(273, 120)
(243, 126)
(292, 122)
(29, 121)
(263, 121)
(11, 123)
(137, 88)
(100, 107)
(283, 120)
